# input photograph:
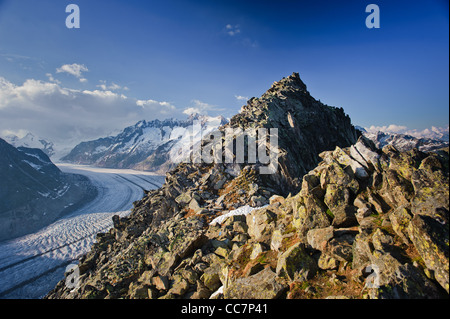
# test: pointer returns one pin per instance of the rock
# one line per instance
(222, 251)
(349, 210)
(137, 291)
(335, 174)
(202, 292)
(211, 277)
(263, 285)
(160, 282)
(337, 297)
(367, 150)
(318, 238)
(194, 206)
(277, 239)
(180, 286)
(394, 280)
(337, 198)
(261, 223)
(296, 264)
(431, 240)
(327, 262)
(341, 247)
(346, 160)
(276, 199)
(311, 213)
(382, 241)
(183, 199)
(257, 249)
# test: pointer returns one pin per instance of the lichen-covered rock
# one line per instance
(263, 285)
(296, 264)
(431, 240)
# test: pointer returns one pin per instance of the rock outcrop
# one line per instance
(361, 222)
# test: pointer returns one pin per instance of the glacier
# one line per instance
(31, 265)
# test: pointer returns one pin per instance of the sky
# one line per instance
(133, 60)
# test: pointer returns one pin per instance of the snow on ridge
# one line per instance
(35, 166)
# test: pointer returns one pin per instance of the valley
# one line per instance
(31, 265)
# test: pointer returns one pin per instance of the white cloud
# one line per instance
(52, 79)
(393, 128)
(192, 111)
(113, 86)
(241, 98)
(200, 108)
(164, 107)
(60, 114)
(74, 69)
(232, 30)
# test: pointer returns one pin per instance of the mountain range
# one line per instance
(404, 142)
(147, 145)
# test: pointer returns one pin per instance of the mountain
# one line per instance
(31, 141)
(306, 127)
(144, 146)
(33, 191)
(404, 142)
(363, 222)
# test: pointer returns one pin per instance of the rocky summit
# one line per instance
(359, 222)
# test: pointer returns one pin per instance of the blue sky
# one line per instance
(210, 55)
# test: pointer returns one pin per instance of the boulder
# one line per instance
(296, 264)
(318, 238)
(337, 198)
(261, 223)
(262, 285)
(432, 241)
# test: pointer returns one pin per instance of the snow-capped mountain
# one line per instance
(147, 145)
(404, 142)
(31, 141)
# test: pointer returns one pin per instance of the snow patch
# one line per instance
(243, 210)
(35, 166)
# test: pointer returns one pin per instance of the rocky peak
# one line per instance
(292, 82)
(306, 127)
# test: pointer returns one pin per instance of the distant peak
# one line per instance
(292, 80)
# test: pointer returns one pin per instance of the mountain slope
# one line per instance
(33, 191)
(144, 146)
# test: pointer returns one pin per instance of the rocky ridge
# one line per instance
(360, 222)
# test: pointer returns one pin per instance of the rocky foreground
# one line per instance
(359, 222)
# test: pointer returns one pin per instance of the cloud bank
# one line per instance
(65, 115)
